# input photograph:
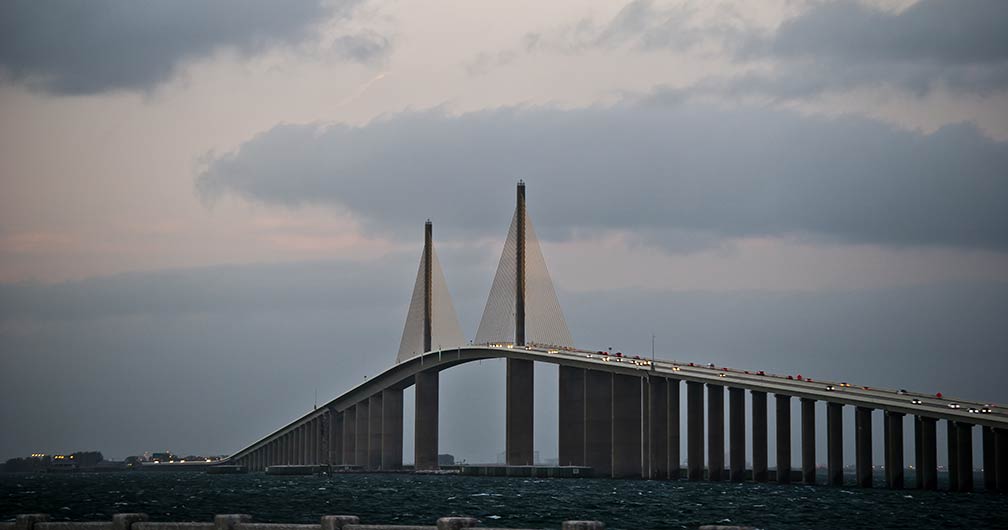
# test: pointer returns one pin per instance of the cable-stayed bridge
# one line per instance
(620, 415)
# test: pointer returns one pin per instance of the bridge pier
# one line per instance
(336, 435)
(759, 434)
(299, 451)
(953, 455)
(1001, 459)
(964, 435)
(863, 446)
(363, 433)
(989, 459)
(658, 427)
(783, 438)
(715, 432)
(694, 430)
(674, 458)
(894, 452)
(626, 426)
(571, 409)
(316, 438)
(808, 440)
(520, 412)
(834, 444)
(350, 436)
(736, 434)
(375, 413)
(927, 448)
(598, 422)
(425, 431)
(299, 448)
(392, 429)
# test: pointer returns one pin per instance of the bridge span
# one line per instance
(620, 415)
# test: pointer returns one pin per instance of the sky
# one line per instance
(210, 212)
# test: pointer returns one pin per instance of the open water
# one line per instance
(500, 502)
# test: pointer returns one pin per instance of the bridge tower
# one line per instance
(522, 309)
(431, 323)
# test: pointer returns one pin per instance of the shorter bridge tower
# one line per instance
(431, 321)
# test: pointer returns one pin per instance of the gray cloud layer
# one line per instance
(89, 47)
(846, 44)
(832, 46)
(647, 167)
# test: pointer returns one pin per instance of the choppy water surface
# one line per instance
(526, 503)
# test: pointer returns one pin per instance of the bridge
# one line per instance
(620, 415)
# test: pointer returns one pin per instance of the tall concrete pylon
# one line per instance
(431, 321)
(522, 307)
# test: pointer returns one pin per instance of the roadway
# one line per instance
(402, 375)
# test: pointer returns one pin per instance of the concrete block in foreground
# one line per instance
(337, 522)
(455, 523)
(227, 521)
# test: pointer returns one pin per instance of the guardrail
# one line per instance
(139, 521)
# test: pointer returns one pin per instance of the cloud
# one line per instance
(647, 166)
(829, 46)
(91, 47)
(841, 45)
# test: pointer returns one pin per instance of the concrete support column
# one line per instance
(363, 433)
(863, 446)
(736, 434)
(834, 444)
(626, 426)
(571, 431)
(989, 459)
(964, 433)
(953, 455)
(425, 430)
(918, 464)
(598, 422)
(808, 440)
(520, 412)
(1001, 459)
(674, 458)
(299, 437)
(337, 438)
(645, 446)
(658, 426)
(715, 432)
(694, 430)
(759, 435)
(375, 437)
(894, 465)
(313, 431)
(927, 448)
(392, 429)
(350, 436)
(783, 438)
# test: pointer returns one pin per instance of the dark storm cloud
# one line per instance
(649, 167)
(69, 47)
